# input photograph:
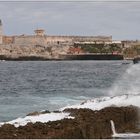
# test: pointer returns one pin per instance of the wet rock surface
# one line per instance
(36, 113)
(86, 124)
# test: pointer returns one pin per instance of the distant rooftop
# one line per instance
(39, 32)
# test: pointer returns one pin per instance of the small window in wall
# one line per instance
(58, 42)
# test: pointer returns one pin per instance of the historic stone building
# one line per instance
(50, 46)
(40, 38)
(44, 40)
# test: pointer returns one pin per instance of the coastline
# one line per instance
(63, 57)
(80, 122)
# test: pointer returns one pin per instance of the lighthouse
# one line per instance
(1, 32)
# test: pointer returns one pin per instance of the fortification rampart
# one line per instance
(8, 39)
(44, 40)
(30, 40)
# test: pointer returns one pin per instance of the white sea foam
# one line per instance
(94, 104)
(38, 118)
(102, 102)
(122, 135)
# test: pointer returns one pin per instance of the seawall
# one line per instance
(26, 58)
(62, 57)
(91, 57)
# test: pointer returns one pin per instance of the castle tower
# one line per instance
(1, 34)
(39, 32)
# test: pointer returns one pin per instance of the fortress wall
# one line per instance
(44, 40)
(94, 38)
(8, 39)
(58, 38)
(80, 38)
(40, 40)
(30, 40)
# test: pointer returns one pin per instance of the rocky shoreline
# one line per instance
(61, 57)
(85, 124)
(40, 53)
(27, 58)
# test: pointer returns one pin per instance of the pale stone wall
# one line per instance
(79, 38)
(41, 40)
(46, 46)
(53, 39)
(8, 39)
(30, 40)
(44, 40)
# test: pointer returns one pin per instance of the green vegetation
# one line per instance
(132, 51)
(100, 48)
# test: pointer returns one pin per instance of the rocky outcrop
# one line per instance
(86, 124)
(31, 52)
(96, 124)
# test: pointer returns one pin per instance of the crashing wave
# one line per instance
(122, 135)
(94, 104)
(38, 118)
(102, 102)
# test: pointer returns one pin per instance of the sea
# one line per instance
(28, 86)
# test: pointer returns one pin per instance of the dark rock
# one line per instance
(34, 113)
(87, 124)
(46, 111)
(56, 111)
(38, 113)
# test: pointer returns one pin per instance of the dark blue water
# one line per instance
(49, 85)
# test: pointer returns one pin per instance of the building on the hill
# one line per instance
(41, 39)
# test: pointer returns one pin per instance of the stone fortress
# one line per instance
(40, 38)
(44, 45)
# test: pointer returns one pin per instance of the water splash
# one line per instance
(129, 83)
(113, 128)
(123, 135)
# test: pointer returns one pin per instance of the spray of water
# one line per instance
(129, 83)
(123, 135)
(113, 127)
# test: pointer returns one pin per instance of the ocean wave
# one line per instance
(128, 83)
(93, 104)
(38, 118)
(102, 102)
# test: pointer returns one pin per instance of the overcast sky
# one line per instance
(119, 19)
